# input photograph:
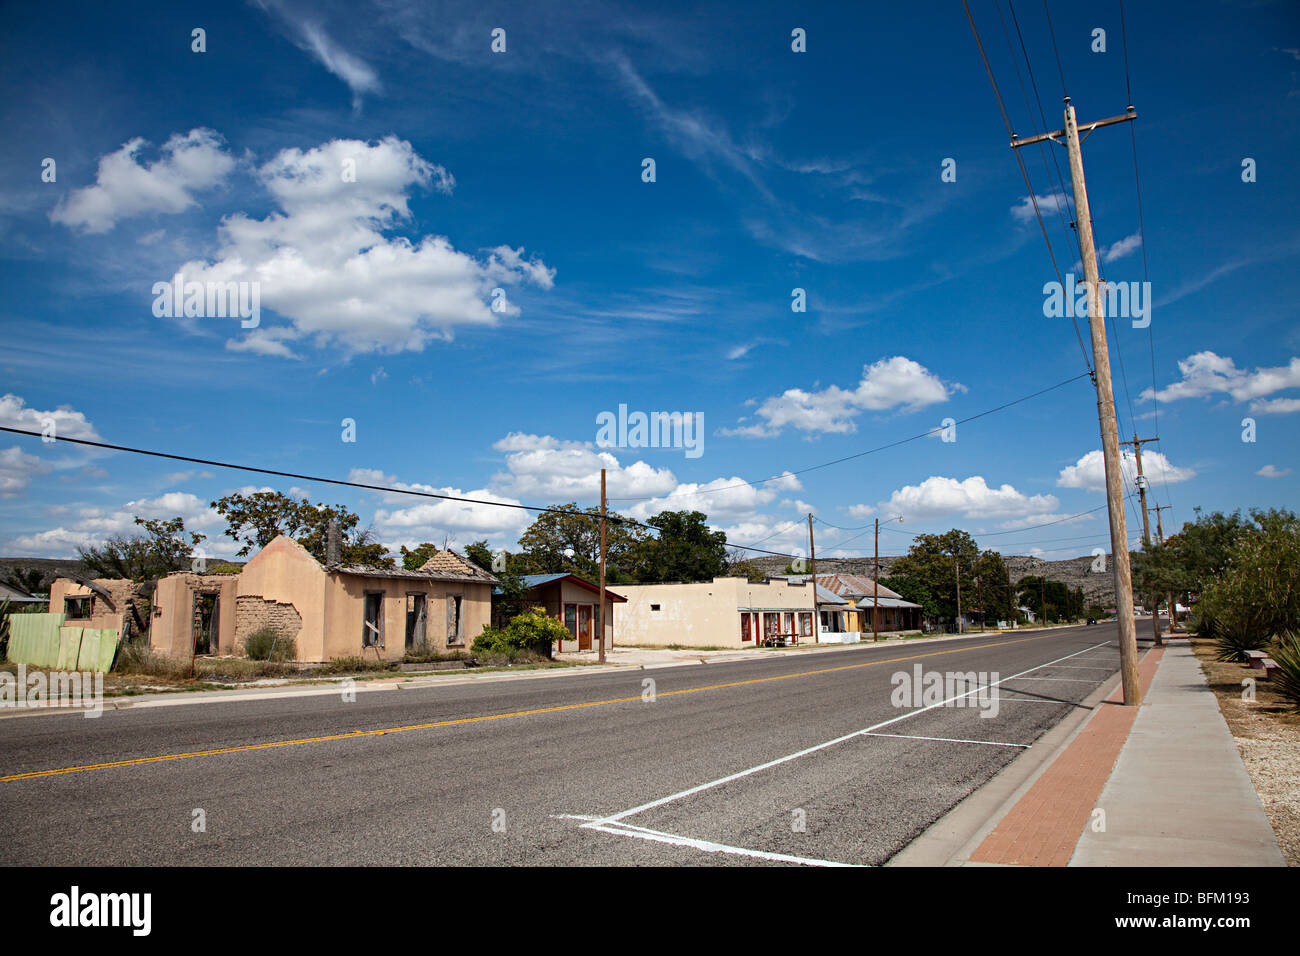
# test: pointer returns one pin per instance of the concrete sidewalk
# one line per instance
(1179, 794)
(1158, 785)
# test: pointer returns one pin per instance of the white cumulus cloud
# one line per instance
(125, 187)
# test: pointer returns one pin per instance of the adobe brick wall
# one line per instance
(253, 613)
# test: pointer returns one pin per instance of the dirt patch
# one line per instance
(1267, 732)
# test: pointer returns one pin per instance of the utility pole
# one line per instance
(875, 590)
(1137, 444)
(957, 571)
(601, 612)
(812, 551)
(875, 582)
(1042, 597)
(1160, 529)
(1105, 393)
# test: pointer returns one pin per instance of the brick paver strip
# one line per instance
(1044, 825)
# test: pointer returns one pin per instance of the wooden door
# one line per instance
(584, 627)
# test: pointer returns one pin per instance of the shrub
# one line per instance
(135, 657)
(355, 665)
(424, 653)
(1287, 657)
(268, 644)
(533, 631)
(1237, 632)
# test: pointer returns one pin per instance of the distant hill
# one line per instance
(1074, 572)
(50, 569)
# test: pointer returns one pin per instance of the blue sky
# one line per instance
(378, 171)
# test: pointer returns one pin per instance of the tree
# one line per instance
(911, 589)
(684, 550)
(565, 528)
(259, 518)
(933, 562)
(738, 566)
(480, 554)
(163, 549)
(414, 559)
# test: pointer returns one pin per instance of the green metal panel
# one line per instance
(69, 647)
(34, 639)
(89, 649)
(107, 651)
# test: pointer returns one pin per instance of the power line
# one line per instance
(1033, 198)
(861, 454)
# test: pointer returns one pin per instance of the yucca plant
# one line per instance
(1239, 631)
(1287, 657)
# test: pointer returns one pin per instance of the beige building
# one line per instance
(724, 612)
(328, 610)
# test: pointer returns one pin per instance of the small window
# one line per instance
(372, 623)
(77, 608)
(654, 607)
(455, 624)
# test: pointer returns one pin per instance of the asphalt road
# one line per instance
(574, 769)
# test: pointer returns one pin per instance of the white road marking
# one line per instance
(1068, 680)
(950, 740)
(708, 846)
(699, 788)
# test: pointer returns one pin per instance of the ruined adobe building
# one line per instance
(333, 610)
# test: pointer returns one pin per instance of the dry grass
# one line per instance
(1267, 732)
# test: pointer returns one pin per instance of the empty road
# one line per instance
(786, 759)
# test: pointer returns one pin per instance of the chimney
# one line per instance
(333, 549)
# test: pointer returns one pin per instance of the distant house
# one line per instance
(868, 601)
(724, 612)
(332, 610)
(573, 601)
(15, 596)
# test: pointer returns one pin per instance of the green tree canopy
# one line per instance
(164, 548)
(258, 518)
(684, 550)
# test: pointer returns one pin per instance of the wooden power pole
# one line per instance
(1173, 607)
(957, 571)
(1137, 444)
(601, 611)
(812, 557)
(1105, 392)
(875, 590)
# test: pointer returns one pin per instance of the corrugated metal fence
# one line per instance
(43, 640)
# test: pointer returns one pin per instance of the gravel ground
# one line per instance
(1268, 739)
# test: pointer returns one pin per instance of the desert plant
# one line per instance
(269, 644)
(1238, 631)
(1287, 657)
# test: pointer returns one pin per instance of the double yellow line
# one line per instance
(358, 734)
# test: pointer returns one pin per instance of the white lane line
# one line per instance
(1068, 680)
(659, 836)
(1084, 667)
(699, 788)
(951, 740)
(708, 846)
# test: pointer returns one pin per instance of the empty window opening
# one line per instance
(77, 608)
(417, 618)
(372, 622)
(455, 624)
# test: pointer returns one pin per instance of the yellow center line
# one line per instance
(355, 734)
